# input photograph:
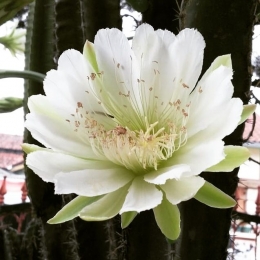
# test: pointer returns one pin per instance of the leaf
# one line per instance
(167, 217)
(214, 197)
(72, 209)
(235, 156)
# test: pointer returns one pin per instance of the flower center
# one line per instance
(137, 150)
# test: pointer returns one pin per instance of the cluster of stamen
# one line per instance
(135, 149)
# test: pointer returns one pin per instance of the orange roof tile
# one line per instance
(10, 150)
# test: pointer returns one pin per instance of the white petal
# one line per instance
(106, 207)
(141, 196)
(217, 89)
(166, 36)
(46, 164)
(49, 126)
(187, 56)
(69, 84)
(92, 182)
(117, 62)
(225, 121)
(151, 49)
(184, 189)
(198, 155)
(167, 62)
(161, 175)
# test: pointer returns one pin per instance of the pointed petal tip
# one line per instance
(248, 110)
(234, 157)
(127, 218)
(167, 217)
(214, 197)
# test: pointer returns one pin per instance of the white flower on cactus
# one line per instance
(14, 40)
(130, 129)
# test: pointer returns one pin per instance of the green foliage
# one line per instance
(9, 8)
(10, 104)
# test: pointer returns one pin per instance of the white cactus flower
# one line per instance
(130, 129)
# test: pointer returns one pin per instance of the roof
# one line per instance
(255, 137)
(11, 153)
(11, 141)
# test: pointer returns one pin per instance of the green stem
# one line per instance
(25, 74)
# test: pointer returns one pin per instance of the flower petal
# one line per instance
(49, 127)
(46, 164)
(199, 155)
(187, 68)
(72, 209)
(184, 189)
(214, 197)
(127, 218)
(90, 55)
(92, 182)
(223, 60)
(171, 56)
(248, 110)
(225, 122)
(70, 83)
(216, 87)
(167, 37)
(161, 175)
(120, 72)
(141, 196)
(166, 66)
(106, 207)
(167, 217)
(29, 148)
(235, 156)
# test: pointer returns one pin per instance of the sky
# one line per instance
(13, 123)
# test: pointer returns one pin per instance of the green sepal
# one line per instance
(107, 207)
(248, 110)
(127, 218)
(72, 209)
(90, 55)
(30, 148)
(167, 217)
(235, 156)
(214, 197)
